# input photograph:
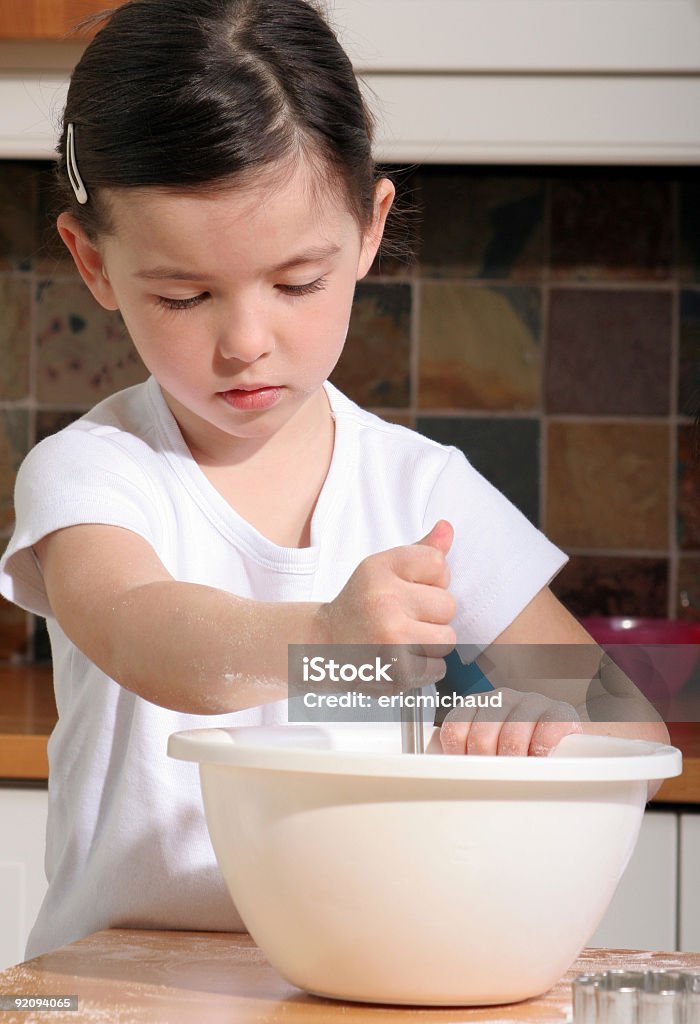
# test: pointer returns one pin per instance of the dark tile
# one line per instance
(688, 488)
(84, 351)
(608, 485)
(14, 444)
(479, 347)
(398, 252)
(477, 223)
(612, 226)
(403, 419)
(15, 337)
(505, 451)
(608, 352)
(689, 365)
(18, 214)
(13, 632)
(689, 588)
(52, 256)
(605, 585)
(374, 369)
(689, 228)
(49, 421)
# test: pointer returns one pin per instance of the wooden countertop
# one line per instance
(131, 976)
(28, 714)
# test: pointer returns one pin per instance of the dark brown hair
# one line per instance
(205, 94)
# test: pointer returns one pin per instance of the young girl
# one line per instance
(219, 191)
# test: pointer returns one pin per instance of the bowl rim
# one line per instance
(578, 758)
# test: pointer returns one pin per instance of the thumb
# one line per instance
(440, 537)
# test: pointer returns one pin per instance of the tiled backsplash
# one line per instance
(550, 328)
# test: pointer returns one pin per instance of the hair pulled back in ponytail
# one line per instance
(199, 94)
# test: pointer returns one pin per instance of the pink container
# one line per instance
(665, 653)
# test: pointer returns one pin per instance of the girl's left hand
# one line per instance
(528, 723)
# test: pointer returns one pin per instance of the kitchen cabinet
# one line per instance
(452, 81)
(22, 880)
(45, 19)
(643, 913)
(690, 882)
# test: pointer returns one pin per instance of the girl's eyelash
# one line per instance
(296, 290)
(304, 289)
(182, 303)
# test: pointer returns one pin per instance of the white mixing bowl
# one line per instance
(367, 874)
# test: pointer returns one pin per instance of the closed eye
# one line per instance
(295, 290)
(189, 303)
(303, 289)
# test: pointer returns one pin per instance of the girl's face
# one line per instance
(238, 302)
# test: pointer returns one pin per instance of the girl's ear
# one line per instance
(384, 193)
(88, 260)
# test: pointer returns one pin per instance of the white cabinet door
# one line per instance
(22, 879)
(642, 914)
(690, 883)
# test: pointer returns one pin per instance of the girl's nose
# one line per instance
(244, 336)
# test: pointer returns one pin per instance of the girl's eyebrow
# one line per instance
(312, 255)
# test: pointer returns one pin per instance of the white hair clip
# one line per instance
(72, 168)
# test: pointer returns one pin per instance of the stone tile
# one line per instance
(15, 298)
(50, 421)
(374, 369)
(688, 507)
(397, 256)
(475, 223)
(403, 419)
(505, 451)
(608, 352)
(608, 485)
(689, 588)
(479, 347)
(19, 240)
(689, 365)
(13, 632)
(84, 351)
(14, 445)
(608, 585)
(689, 227)
(614, 226)
(52, 257)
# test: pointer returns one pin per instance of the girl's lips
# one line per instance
(260, 398)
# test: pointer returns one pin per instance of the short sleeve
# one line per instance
(498, 561)
(72, 477)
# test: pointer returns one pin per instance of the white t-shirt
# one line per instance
(127, 844)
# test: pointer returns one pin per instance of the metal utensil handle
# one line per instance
(412, 725)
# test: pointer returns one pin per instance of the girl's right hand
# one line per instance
(399, 597)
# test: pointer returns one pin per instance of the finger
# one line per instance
(416, 636)
(424, 603)
(487, 723)
(408, 672)
(420, 563)
(454, 731)
(440, 537)
(516, 734)
(559, 721)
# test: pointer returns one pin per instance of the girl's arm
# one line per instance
(556, 680)
(552, 648)
(202, 650)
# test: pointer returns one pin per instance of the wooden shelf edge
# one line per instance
(23, 756)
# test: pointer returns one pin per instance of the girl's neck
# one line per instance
(275, 486)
